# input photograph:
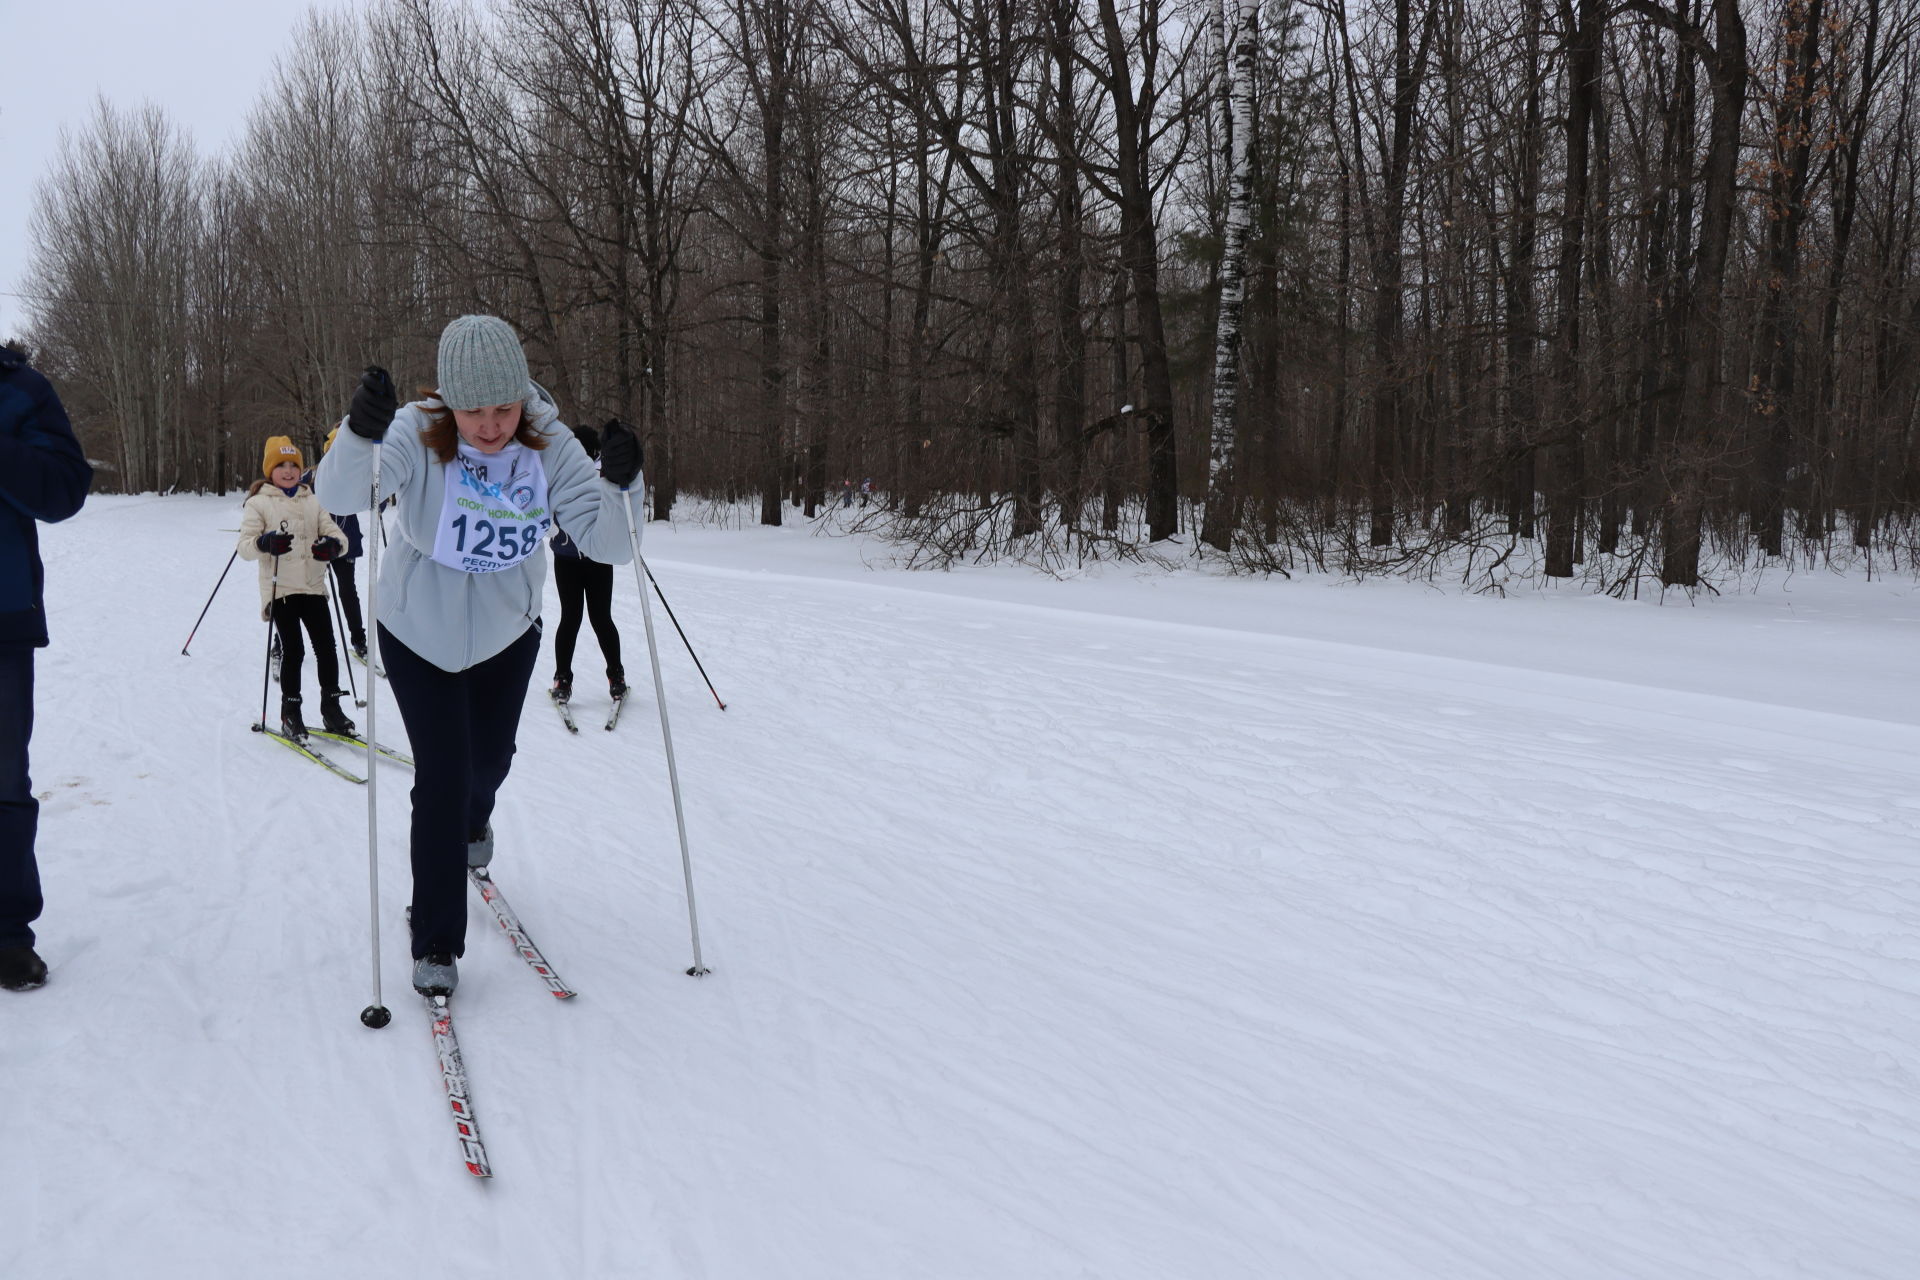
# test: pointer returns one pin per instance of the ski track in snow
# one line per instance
(1045, 943)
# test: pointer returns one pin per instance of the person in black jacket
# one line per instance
(585, 586)
(43, 476)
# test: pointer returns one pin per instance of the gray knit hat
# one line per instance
(481, 363)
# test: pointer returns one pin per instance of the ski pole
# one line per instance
(676, 626)
(346, 658)
(273, 598)
(666, 735)
(209, 604)
(375, 1015)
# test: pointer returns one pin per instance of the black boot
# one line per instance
(616, 687)
(290, 722)
(21, 969)
(332, 718)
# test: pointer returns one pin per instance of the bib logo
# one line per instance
(522, 496)
(477, 482)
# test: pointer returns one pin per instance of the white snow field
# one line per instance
(1135, 925)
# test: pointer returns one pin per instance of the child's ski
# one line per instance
(453, 1073)
(306, 749)
(354, 739)
(566, 713)
(515, 934)
(614, 719)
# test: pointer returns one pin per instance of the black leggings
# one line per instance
(349, 598)
(462, 726)
(589, 583)
(289, 613)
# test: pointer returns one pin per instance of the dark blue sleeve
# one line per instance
(42, 471)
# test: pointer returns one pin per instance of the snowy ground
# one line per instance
(1130, 926)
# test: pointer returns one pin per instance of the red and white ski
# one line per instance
(453, 1073)
(490, 892)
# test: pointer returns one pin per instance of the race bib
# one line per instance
(494, 512)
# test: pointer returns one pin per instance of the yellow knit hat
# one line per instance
(329, 442)
(280, 449)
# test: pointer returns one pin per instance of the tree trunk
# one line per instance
(1221, 519)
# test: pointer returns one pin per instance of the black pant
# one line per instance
(349, 600)
(462, 726)
(289, 614)
(589, 583)
(20, 900)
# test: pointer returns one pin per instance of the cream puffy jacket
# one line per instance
(269, 509)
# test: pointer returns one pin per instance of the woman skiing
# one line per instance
(478, 471)
(586, 588)
(285, 529)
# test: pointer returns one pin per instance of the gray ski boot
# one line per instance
(435, 975)
(480, 848)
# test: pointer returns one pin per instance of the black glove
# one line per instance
(275, 544)
(374, 404)
(619, 453)
(326, 548)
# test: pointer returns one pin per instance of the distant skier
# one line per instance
(43, 476)
(478, 470)
(585, 586)
(284, 528)
(342, 566)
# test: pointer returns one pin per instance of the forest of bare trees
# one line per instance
(1618, 290)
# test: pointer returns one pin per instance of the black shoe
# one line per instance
(616, 688)
(562, 690)
(290, 722)
(21, 969)
(332, 718)
(360, 648)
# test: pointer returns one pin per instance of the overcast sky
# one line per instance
(202, 61)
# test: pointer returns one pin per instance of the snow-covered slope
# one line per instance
(1133, 926)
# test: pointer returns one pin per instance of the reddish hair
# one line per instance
(443, 433)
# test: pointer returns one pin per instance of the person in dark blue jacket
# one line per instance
(43, 476)
(342, 567)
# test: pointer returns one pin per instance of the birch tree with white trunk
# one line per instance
(1236, 89)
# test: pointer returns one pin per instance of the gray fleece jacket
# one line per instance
(454, 619)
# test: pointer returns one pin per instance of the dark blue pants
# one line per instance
(462, 726)
(20, 900)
